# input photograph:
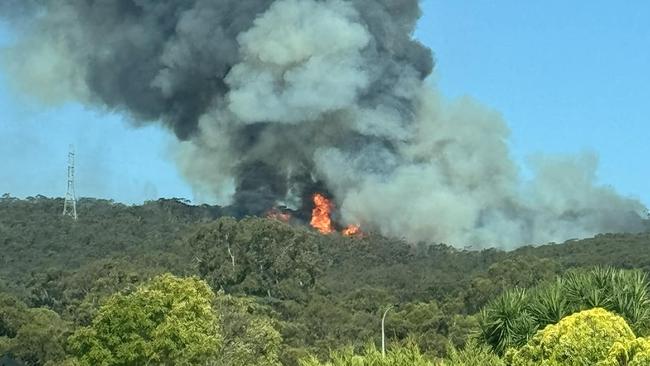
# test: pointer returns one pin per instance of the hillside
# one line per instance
(324, 291)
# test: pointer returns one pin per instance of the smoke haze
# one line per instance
(270, 99)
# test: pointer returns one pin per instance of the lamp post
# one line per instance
(383, 330)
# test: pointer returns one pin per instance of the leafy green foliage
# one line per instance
(473, 354)
(429, 327)
(628, 353)
(12, 315)
(512, 318)
(505, 322)
(77, 295)
(522, 272)
(617, 250)
(402, 356)
(319, 292)
(249, 333)
(34, 336)
(580, 339)
(36, 238)
(168, 321)
(257, 256)
(40, 341)
(623, 292)
(549, 303)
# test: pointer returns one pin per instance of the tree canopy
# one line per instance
(168, 321)
(281, 293)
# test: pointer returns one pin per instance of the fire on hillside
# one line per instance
(321, 217)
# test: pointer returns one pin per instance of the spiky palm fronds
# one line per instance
(408, 355)
(516, 315)
(505, 322)
(473, 354)
(586, 290)
(629, 298)
(549, 304)
(624, 292)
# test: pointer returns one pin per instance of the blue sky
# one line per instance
(566, 76)
(113, 159)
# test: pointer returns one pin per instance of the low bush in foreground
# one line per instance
(401, 356)
(584, 338)
(513, 318)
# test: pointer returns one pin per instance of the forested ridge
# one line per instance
(282, 294)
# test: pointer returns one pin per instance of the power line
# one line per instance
(70, 203)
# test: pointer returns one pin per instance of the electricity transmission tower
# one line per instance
(70, 204)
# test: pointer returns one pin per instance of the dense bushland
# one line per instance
(285, 294)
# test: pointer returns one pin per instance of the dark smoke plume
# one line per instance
(273, 98)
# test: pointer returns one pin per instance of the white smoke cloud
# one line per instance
(285, 55)
(457, 184)
(208, 159)
(45, 70)
(274, 98)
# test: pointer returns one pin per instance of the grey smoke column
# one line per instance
(272, 98)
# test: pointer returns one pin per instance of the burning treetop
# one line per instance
(272, 97)
(320, 217)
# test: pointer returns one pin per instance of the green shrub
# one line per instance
(472, 355)
(505, 322)
(581, 339)
(401, 356)
(35, 336)
(621, 291)
(514, 317)
(168, 321)
(631, 353)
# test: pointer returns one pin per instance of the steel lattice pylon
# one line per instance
(70, 204)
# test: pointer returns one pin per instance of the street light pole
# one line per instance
(383, 331)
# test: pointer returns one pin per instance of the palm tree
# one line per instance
(505, 322)
(549, 304)
(512, 318)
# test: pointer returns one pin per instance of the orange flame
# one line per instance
(320, 215)
(352, 230)
(321, 220)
